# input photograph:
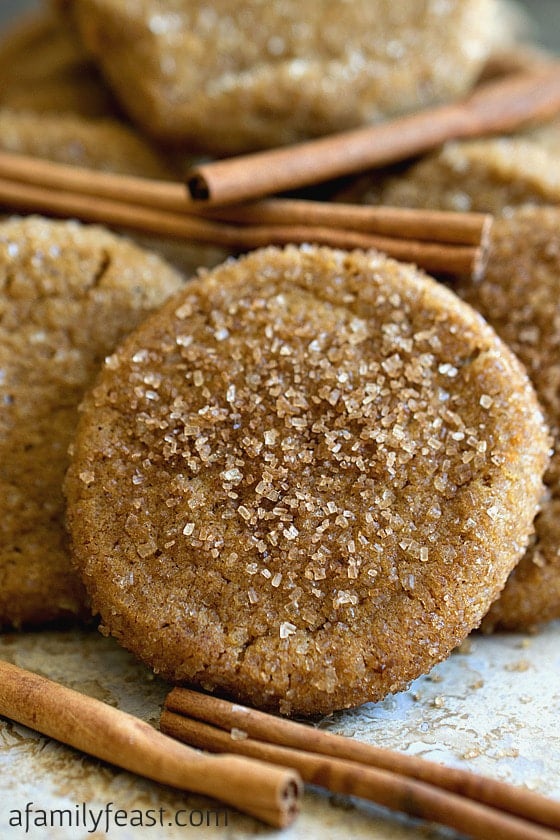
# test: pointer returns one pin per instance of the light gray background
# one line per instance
(545, 12)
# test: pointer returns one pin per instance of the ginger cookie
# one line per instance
(546, 135)
(68, 294)
(520, 297)
(305, 479)
(234, 76)
(103, 144)
(481, 175)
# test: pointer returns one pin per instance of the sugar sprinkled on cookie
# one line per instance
(520, 297)
(304, 481)
(68, 294)
(231, 76)
(488, 175)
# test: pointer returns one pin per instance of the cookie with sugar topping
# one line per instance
(488, 175)
(103, 144)
(305, 479)
(68, 294)
(233, 76)
(520, 297)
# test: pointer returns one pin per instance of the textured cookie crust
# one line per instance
(304, 481)
(481, 175)
(101, 144)
(520, 297)
(239, 75)
(68, 294)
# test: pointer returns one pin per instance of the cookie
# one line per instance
(520, 296)
(102, 143)
(547, 135)
(44, 68)
(305, 479)
(68, 294)
(235, 76)
(480, 175)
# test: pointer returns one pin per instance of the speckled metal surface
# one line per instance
(493, 707)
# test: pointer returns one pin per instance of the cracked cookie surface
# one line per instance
(68, 294)
(305, 479)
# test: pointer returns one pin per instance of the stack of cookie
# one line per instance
(308, 475)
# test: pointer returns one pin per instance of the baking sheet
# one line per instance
(493, 707)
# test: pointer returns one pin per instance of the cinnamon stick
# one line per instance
(281, 731)
(398, 793)
(400, 222)
(495, 107)
(403, 223)
(148, 192)
(122, 739)
(433, 256)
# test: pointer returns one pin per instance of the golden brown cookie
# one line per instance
(520, 297)
(45, 70)
(68, 294)
(546, 135)
(481, 175)
(232, 76)
(101, 143)
(304, 481)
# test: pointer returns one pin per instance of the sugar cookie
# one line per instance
(68, 293)
(305, 479)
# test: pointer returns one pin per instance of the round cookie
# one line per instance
(305, 479)
(520, 296)
(238, 75)
(487, 176)
(68, 294)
